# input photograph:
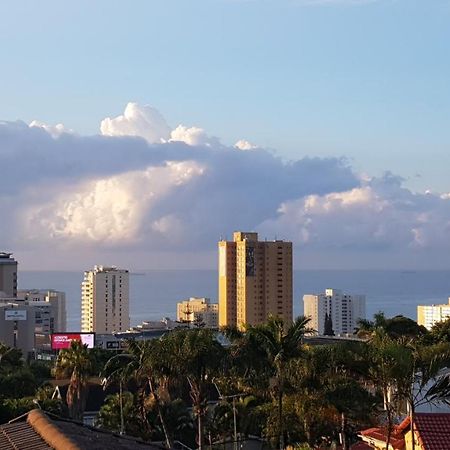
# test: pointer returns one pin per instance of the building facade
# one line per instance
(334, 311)
(255, 280)
(105, 300)
(28, 324)
(57, 300)
(8, 275)
(428, 315)
(198, 310)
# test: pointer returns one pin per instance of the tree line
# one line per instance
(268, 383)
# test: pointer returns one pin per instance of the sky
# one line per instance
(139, 133)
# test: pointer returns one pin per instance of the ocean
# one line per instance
(155, 293)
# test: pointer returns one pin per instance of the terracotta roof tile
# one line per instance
(433, 430)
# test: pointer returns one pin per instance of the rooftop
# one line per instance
(36, 431)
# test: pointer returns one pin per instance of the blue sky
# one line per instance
(323, 122)
(363, 79)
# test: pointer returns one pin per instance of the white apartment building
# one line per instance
(105, 298)
(8, 275)
(198, 309)
(428, 315)
(44, 297)
(344, 310)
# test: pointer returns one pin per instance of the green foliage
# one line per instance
(109, 415)
(395, 327)
(75, 363)
(440, 332)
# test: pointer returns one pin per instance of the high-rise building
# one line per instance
(428, 315)
(198, 310)
(8, 275)
(334, 312)
(105, 300)
(255, 280)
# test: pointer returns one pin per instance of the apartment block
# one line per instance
(334, 311)
(255, 280)
(44, 297)
(105, 300)
(428, 315)
(198, 310)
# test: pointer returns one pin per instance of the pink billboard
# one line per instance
(63, 340)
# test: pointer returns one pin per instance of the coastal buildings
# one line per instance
(255, 280)
(198, 310)
(334, 312)
(428, 315)
(8, 275)
(43, 297)
(105, 300)
(28, 323)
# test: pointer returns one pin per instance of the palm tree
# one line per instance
(76, 363)
(280, 345)
(196, 356)
(140, 363)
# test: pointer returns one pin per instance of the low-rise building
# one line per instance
(28, 323)
(198, 310)
(334, 312)
(428, 315)
(57, 299)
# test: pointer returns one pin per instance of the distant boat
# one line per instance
(138, 273)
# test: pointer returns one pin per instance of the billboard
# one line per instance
(15, 314)
(63, 340)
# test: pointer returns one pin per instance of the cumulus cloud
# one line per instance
(139, 185)
(192, 136)
(53, 130)
(115, 209)
(380, 214)
(143, 121)
(242, 144)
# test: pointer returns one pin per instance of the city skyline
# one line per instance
(140, 142)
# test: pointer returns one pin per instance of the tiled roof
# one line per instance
(433, 430)
(21, 435)
(397, 440)
(39, 432)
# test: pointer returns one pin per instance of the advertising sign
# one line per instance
(63, 340)
(15, 314)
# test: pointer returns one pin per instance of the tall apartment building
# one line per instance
(105, 300)
(342, 311)
(8, 275)
(428, 315)
(198, 309)
(255, 280)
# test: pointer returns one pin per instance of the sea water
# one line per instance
(155, 293)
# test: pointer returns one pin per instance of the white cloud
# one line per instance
(142, 121)
(115, 209)
(109, 192)
(192, 136)
(242, 144)
(53, 130)
(378, 215)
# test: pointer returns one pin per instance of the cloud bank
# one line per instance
(142, 186)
